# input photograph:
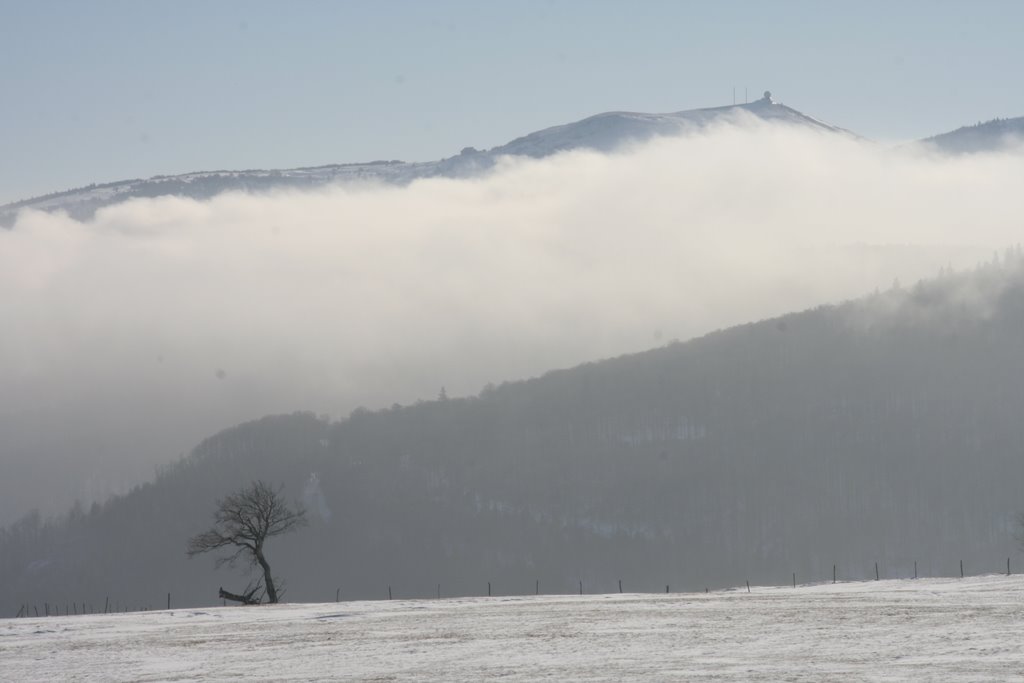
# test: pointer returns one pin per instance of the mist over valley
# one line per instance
(159, 321)
(149, 325)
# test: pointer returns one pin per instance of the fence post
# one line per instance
(833, 573)
(581, 586)
(794, 579)
(389, 592)
(915, 569)
(961, 569)
(876, 571)
(488, 589)
(106, 605)
(168, 601)
(1007, 566)
(536, 588)
(748, 586)
(620, 585)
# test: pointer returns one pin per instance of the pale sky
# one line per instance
(103, 90)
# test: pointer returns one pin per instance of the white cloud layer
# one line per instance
(130, 337)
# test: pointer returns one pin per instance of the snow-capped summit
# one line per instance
(610, 130)
(602, 132)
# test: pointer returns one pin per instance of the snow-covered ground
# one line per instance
(929, 629)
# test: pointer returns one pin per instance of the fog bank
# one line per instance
(129, 337)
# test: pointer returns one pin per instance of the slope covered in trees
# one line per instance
(988, 136)
(886, 429)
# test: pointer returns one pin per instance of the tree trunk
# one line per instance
(246, 599)
(268, 580)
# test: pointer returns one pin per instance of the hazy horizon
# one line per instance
(108, 90)
(162, 321)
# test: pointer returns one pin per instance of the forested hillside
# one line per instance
(887, 429)
(990, 136)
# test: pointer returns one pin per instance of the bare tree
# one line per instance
(243, 522)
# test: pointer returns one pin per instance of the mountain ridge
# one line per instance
(604, 132)
(984, 136)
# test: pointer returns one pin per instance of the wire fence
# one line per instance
(74, 608)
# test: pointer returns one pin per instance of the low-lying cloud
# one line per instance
(129, 337)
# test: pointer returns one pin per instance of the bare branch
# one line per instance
(243, 521)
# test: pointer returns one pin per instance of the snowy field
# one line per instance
(929, 629)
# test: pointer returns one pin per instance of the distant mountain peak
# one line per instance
(603, 132)
(610, 130)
